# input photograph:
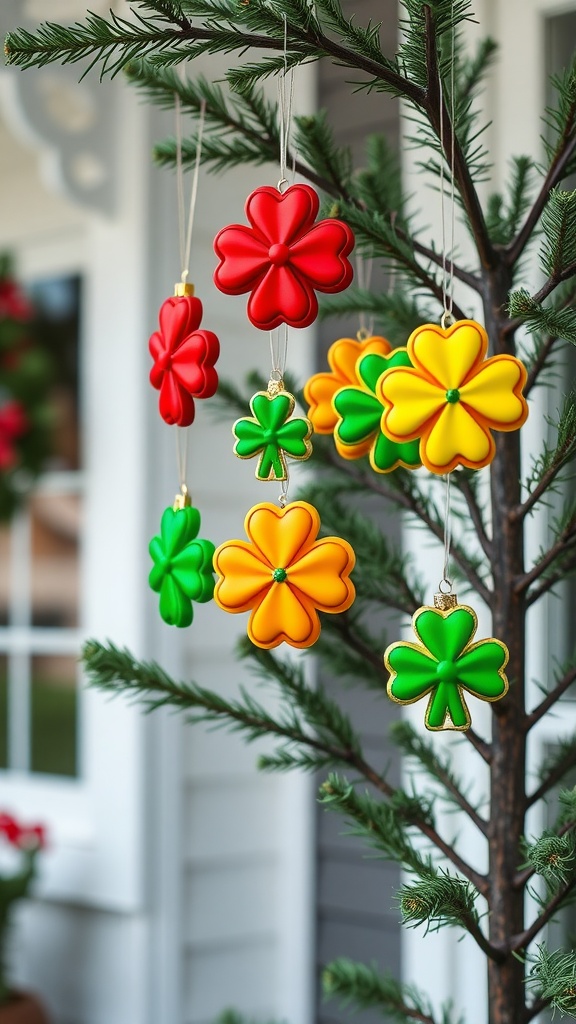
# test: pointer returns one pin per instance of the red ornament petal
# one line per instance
(179, 316)
(243, 259)
(193, 364)
(321, 256)
(282, 217)
(176, 405)
(282, 298)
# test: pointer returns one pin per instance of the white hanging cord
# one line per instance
(182, 456)
(185, 230)
(363, 276)
(285, 100)
(447, 538)
(278, 351)
(448, 275)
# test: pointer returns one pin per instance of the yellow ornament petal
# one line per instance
(321, 388)
(281, 616)
(281, 534)
(410, 402)
(243, 576)
(322, 574)
(494, 393)
(446, 357)
(456, 439)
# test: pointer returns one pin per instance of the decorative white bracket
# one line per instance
(71, 123)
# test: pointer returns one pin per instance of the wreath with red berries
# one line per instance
(25, 381)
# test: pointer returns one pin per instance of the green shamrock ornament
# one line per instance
(445, 663)
(182, 570)
(272, 434)
(360, 412)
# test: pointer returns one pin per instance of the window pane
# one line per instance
(54, 703)
(55, 572)
(3, 711)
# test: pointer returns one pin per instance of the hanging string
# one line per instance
(447, 538)
(278, 351)
(285, 101)
(185, 229)
(182, 456)
(448, 274)
(363, 276)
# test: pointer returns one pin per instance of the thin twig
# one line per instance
(556, 775)
(549, 701)
(523, 939)
(463, 485)
(563, 543)
(539, 363)
(483, 748)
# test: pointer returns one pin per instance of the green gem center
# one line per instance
(453, 395)
(279, 575)
(447, 671)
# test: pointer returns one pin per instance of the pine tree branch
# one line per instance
(413, 746)
(524, 876)
(555, 174)
(562, 763)
(540, 362)
(364, 987)
(523, 940)
(563, 551)
(550, 700)
(536, 1008)
(445, 901)
(480, 745)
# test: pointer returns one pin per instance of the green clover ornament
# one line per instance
(360, 413)
(271, 434)
(444, 664)
(182, 570)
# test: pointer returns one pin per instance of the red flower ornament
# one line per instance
(283, 258)
(13, 423)
(184, 359)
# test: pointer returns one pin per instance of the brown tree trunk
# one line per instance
(506, 988)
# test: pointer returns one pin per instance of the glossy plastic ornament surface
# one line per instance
(360, 413)
(182, 571)
(184, 359)
(284, 575)
(283, 258)
(319, 391)
(445, 663)
(453, 397)
(272, 434)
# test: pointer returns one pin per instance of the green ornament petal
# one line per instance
(445, 636)
(386, 454)
(370, 368)
(360, 415)
(178, 527)
(250, 438)
(446, 703)
(293, 437)
(415, 672)
(271, 412)
(193, 571)
(480, 669)
(175, 607)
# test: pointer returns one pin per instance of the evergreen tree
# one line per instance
(439, 81)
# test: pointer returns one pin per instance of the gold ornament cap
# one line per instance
(183, 288)
(444, 602)
(182, 500)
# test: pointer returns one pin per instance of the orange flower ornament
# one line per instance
(319, 391)
(284, 575)
(453, 396)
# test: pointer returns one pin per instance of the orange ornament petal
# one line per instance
(281, 534)
(283, 616)
(320, 389)
(448, 356)
(322, 574)
(244, 578)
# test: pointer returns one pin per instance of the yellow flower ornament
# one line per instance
(319, 391)
(453, 396)
(284, 575)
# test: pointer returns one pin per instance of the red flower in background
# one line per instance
(184, 359)
(13, 303)
(284, 257)
(13, 423)
(22, 836)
